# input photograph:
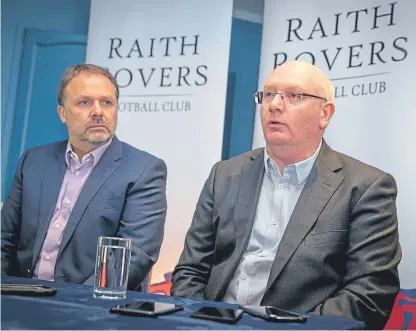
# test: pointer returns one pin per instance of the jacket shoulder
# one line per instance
(134, 154)
(361, 173)
(39, 152)
(356, 167)
(235, 164)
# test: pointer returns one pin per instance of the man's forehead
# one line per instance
(89, 80)
(86, 76)
(294, 78)
(301, 73)
(287, 82)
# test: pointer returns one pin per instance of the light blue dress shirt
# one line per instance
(278, 196)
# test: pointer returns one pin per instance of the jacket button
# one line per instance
(29, 272)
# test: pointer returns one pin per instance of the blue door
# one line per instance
(35, 122)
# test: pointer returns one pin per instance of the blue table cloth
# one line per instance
(74, 307)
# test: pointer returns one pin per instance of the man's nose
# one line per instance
(277, 103)
(97, 109)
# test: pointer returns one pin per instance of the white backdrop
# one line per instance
(170, 59)
(368, 50)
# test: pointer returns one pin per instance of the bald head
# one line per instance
(305, 74)
(293, 126)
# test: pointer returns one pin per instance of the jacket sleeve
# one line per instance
(11, 214)
(371, 282)
(143, 221)
(191, 275)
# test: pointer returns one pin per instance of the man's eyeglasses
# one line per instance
(291, 97)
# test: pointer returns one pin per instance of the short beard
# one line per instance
(96, 141)
(90, 139)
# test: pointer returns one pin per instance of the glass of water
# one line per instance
(112, 267)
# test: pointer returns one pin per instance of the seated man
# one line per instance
(66, 194)
(295, 225)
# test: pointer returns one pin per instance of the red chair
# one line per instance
(163, 287)
(403, 315)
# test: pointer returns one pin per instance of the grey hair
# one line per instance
(75, 70)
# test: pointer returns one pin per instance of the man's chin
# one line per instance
(276, 138)
(98, 139)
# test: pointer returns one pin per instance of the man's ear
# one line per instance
(62, 114)
(326, 114)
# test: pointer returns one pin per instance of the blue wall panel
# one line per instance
(245, 63)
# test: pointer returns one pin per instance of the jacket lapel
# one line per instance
(244, 213)
(104, 168)
(319, 188)
(51, 185)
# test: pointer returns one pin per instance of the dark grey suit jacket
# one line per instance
(338, 255)
(124, 196)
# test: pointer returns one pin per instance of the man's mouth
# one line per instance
(275, 123)
(97, 127)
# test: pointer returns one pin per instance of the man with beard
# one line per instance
(66, 194)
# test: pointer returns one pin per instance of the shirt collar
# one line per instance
(95, 154)
(301, 169)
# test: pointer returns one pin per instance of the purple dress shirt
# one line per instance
(76, 175)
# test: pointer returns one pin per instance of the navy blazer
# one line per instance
(124, 196)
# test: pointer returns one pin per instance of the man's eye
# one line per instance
(83, 102)
(107, 103)
(293, 95)
(269, 94)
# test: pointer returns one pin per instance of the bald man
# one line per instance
(295, 225)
